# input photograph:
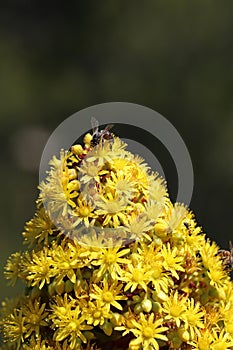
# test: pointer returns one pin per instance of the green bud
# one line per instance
(60, 287)
(69, 286)
(51, 289)
(146, 305)
(35, 293)
(107, 327)
(136, 298)
(156, 306)
(138, 309)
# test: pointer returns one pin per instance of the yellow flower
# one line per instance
(84, 212)
(118, 147)
(212, 315)
(109, 260)
(178, 214)
(21, 323)
(39, 228)
(35, 316)
(99, 237)
(113, 209)
(217, 276)
(225, 312)
(38, 268)
(170, 221)
(101, 154)
(153, 209)
(203, 342)
(60, 191)
(159, 278)
(221, 340)
(191, 233)
(91, 172)
(135, 277)
(36, 344)
(108, 295)
(65, 262)
(171, 261)
(13, 268)
(158, 189)
(147, 331)
(121, 184)
(68, 321)
(120, 164)
(139, 227)
(14, 327)
(96, 313)
(208, 254)
(193, 318)
(139, 175)
(174, 307)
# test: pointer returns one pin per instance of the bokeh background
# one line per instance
(58, 57)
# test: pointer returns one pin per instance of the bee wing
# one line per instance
(109, 127)
(94, 124)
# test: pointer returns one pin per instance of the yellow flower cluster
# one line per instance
(112, 263)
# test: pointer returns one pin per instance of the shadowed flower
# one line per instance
(68, 322)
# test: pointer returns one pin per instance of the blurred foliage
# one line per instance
(172, 56)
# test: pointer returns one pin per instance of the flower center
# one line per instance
(156, 273)
(108, 297)
(110, 258)
(137, 276)
(73, 326)
(65, 265)
(97, 314)
(85, 211)
(62, 310)
(113, 207)
(148, 332)
(34, 319)
(175, 311)
(92, 171)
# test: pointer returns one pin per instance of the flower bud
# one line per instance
(161, 228)
(69, 286)
(184, 334)
(146, 305)
(161, 295)
(60, 287)
(138, 309)
(51, 289)
(107, 327)
(77, 149)
(72, 174)
(74, 185)
(117, 319)
(35, 293)
(156, 307)
(87, 139)
(136, 298)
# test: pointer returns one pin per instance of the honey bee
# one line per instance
(98, 136)
(227, 257)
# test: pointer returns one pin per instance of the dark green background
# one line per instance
(58, 57)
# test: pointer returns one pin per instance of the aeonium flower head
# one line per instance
(112, 262)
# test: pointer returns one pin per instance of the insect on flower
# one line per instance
(227, 257)
(97, 135)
